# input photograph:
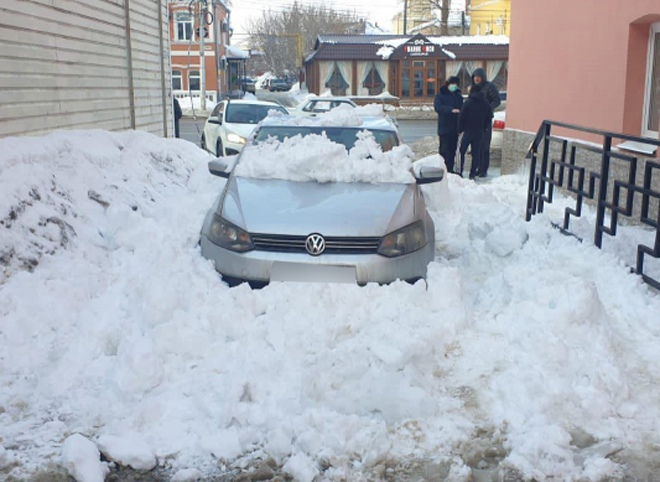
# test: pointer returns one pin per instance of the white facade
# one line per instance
(71, 64)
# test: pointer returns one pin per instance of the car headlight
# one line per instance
(235, 138)
(225, 234)
(403, 241)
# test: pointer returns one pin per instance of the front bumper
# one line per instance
(267, 266)
(233, 148)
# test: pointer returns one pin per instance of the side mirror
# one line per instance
(215, 120)
(218, 167)
(429, 174)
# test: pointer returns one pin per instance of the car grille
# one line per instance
(333, 245)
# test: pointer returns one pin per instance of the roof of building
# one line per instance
(381, 47)
(233, 52)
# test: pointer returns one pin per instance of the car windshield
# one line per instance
(249, 113)
(341, 135)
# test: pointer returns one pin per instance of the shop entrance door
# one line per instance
(419, 75)
(424, 79)
(418, 79)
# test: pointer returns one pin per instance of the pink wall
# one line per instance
(581, 62)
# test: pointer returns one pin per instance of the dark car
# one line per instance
(280, 85)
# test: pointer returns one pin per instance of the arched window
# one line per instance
(373, 81)
(337, 84)
(184, 25)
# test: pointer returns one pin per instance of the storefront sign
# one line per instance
(419, 48)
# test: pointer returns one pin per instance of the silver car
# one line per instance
(262, 230)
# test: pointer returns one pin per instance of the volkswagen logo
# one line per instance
(315, 244)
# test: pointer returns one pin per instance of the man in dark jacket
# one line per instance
(472, 122)
(447, 104)
(493, 98)
(178, 113)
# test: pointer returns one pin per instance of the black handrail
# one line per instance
(596, 185)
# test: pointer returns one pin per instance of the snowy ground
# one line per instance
(529, 355)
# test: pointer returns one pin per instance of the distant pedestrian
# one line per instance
(447, 104)
(492, 96)
(472, 122)
(178, 113)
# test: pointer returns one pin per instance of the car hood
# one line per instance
(332, 209)
(243, 130)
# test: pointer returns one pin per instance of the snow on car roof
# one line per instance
(371, 116)
(250, 101)
(316, 158)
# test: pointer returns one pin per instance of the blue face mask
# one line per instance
(453, 87)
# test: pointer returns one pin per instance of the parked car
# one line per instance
(499, 123)
(261, 230)
(502, 105)
(231, 122)
(280, 85)
(248, 85)
(316, 105)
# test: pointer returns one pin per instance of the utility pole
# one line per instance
(405, 17)
(202, 61)
(217, 31)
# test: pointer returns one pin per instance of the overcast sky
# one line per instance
(381, 12)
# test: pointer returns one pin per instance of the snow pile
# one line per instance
(316, 158)
(81, 458)
(385, 52)
(527, 352)
(54, 186)
(193, 105)
(343, 115)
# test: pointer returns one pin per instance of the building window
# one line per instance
(405, 82)
(184, 25)
(374, 82)
(465, 79)
(193, 80)
(177, 80)
(337, 84)
(651, 127)
(500, 80)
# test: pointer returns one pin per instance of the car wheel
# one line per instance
(203, 142)
(219, 151)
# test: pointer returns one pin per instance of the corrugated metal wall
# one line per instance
(84, 64)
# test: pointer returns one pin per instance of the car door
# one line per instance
(213, 127)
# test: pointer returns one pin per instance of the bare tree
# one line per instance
(445, 6)
(284, 36)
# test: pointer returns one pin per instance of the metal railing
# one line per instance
(612, 183)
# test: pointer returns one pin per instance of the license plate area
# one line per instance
(312, 273)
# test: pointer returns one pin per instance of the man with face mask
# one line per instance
(493, 98)
(447, 103)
